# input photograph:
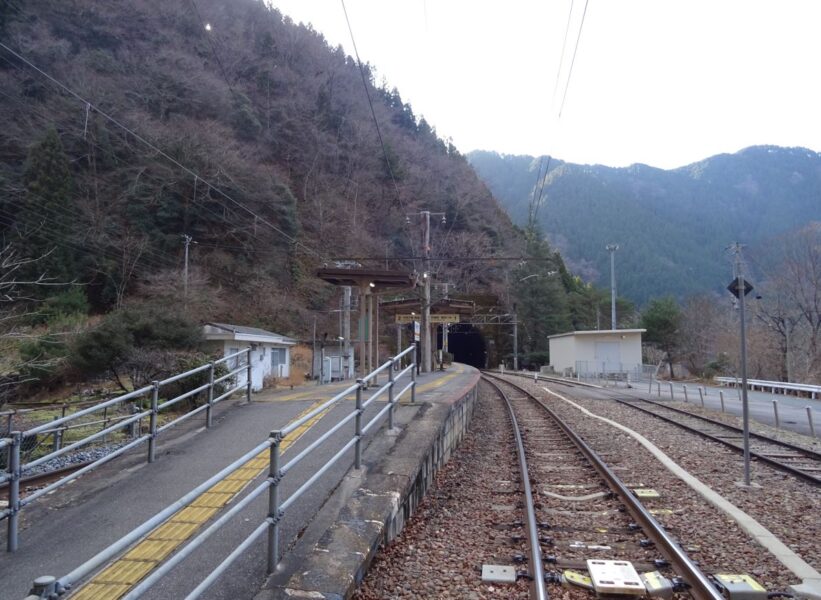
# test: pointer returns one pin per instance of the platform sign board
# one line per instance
(417, 330)
(434, 319)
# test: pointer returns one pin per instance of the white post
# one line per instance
(686, 399)
(721, 396)
(809, 420)
(671, 391)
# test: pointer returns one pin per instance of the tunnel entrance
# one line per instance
(467, 344)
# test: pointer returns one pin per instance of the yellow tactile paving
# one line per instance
(117, 579)
(125, 571)
(173, 531)
(230, 485)
(194, 514)
(213, 499)
(103, 591)
(153, 550)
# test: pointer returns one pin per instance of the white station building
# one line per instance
(600, 352)
(270, 352)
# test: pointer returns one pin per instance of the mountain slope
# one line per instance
(283, 168)
(672, 226)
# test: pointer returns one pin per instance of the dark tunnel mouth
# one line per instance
(466, 343)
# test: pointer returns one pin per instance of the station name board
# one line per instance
(435, 319)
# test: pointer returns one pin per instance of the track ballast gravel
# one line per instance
(440, 552)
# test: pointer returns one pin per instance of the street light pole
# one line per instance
(612, 249)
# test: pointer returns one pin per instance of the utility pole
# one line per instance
(346, 329)
(187, 240)
(426, 276)
(426, 346)
(515, 340)
(611, 248)
(740, 289)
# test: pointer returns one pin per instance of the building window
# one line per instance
(234, 362)
(278, 360)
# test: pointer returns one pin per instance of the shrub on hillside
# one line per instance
(140, 341)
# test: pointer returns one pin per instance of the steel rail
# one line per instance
(809, 453)
(700, 586)
(537, 586)
(808, 477)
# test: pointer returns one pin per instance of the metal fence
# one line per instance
(13, 445)
(48, 587)
(609, 371)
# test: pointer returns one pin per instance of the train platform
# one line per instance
(71, 525)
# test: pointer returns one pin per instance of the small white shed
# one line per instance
(270, 352)
(596, 352)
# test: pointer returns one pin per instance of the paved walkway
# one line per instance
(73, 524)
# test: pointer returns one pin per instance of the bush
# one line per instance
(123, 333)
(43, 357)
(73, 301)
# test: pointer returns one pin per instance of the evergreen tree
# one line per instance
(662, 318)
(542, 301)
(42, 219)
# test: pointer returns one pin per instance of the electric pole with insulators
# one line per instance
(187, 240)
(426, 277)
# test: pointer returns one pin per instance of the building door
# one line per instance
(608, 357)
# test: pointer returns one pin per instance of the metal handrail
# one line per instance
(773, 385)
(272, 520)
(81, 413)
(84, 441)
(65, 583)
(58, 426)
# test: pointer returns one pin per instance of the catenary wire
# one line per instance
(376, 121)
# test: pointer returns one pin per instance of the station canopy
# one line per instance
(378, 280)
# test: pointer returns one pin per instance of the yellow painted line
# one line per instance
(120, 576)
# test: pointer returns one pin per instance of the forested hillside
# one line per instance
(134, 130)
(270, 157)
(672, 226)
(128, 126)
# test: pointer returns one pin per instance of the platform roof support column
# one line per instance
(363, 308)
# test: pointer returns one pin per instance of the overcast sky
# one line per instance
(661, 82)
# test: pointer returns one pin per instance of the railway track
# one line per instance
(31, 483)
(798, 461)
(587, 510)
(795, 460)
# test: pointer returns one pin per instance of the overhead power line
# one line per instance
(158, 150)
(375, 120)
(573, 61)
(561, 58)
